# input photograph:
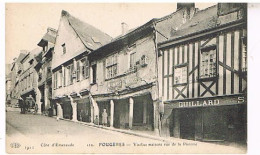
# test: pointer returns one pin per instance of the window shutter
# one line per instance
(87, 68)
(78, 71)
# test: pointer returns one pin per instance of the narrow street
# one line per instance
(38, 133)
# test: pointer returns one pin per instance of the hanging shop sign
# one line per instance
(207, 102)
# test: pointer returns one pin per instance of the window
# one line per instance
(64, 78)
(143, 61)
(59, 78)
(180, 75)
(132, 60)
(45, 47)
(84, 68)
(64, 48)
(55, 80)
(94, 75)
(244, 51)
(111, 66)
(208, 62)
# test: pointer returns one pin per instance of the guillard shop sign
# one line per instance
(211, 102)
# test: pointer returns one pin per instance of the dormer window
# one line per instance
(31, 61)
(64, 48)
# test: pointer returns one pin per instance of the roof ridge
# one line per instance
(76, 24)
(66, 13)
(210, 7)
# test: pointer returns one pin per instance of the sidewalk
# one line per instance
(151, 135)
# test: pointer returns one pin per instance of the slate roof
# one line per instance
(21, 56)
(91, 37)
(50, 36)
(203, 20)
(140, 29)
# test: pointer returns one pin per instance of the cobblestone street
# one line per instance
(51, 136)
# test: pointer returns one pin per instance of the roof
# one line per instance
(32, 54)
(21, 56)
(165, 25)
(49, 36)
(91, 37)
(203, 20)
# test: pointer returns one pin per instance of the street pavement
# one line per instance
(28, 133)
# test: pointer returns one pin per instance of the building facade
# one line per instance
(28, 76)
(126, 78)
(44, 73)
(71, 70)
(203, 76)
(93, 73)
(16, 70)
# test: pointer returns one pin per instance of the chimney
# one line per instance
(124, 28)
(188, 10)
(185, 5)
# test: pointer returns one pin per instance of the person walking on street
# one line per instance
(104, 118)
(21, 105)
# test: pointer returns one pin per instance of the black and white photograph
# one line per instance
(143, 78)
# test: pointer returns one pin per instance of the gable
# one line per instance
(73, 44)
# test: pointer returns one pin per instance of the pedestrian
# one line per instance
(81, 115)
(35, 108)
(96, 120)
(21, 105)
(104, 117)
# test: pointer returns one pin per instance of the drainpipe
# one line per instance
(156, 112)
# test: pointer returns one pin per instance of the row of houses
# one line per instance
(183, 75)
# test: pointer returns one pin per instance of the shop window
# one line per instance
(111, 66)
(208, 66)
(180, 74)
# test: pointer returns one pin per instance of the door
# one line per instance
(138, 114)
(187, 124)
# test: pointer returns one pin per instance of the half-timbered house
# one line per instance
(203, 76)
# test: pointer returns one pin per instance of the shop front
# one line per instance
(83, 110)
(222, 118)
(66, 108)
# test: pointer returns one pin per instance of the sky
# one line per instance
(26, 23)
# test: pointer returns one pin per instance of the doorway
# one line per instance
(187, 124)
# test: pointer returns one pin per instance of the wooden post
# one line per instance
(131, 112)
(111, 113)
(38, 100)
(59, 111)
